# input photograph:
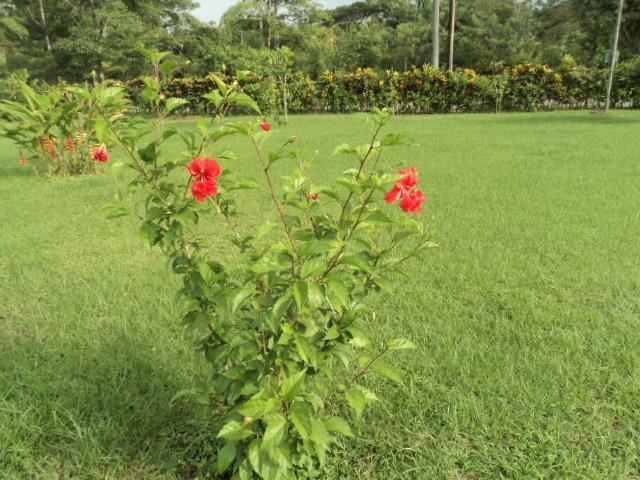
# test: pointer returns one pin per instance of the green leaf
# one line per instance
(301, 418)
(234, 431)
(358, 261)
(241, 297)
(148, 154)
(253, 454)
(339, 425)
(214, 97)
(293, 384)
(320, 437)
(387, 370)
(257, 407)
(306, 351)
(168, 67)
(300, 293)
(100, 127)
(401, 344)
(340, 290)
(391, 139)
(243, 100)
(173, 103)
(281, 306)
(346, 148)
(356, 400)
(313, 267)
(276, 429)
(226, 456)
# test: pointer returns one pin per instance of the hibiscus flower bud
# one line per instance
(314, 196)
(22, 161)
(265, 126)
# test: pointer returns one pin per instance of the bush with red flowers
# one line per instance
(63, 130)
(284, 321)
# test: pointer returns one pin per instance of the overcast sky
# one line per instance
(213, 9)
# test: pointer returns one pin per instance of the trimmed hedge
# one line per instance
(524, 87)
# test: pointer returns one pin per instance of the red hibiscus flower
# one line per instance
(314, 196)
(403, 186)
(101, 154)
(410, 178)
(393, 195)
(265, 126)
(203, 189)
(411, 198)
(204, 169)
(412, 201)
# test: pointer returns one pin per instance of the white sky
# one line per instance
(213, 9)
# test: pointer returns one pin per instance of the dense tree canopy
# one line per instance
(74, 39)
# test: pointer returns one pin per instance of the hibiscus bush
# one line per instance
(63, 129)
(284, 319)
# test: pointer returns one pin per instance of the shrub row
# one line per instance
(524, 87)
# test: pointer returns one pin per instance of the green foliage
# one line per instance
(519, 335)
(525, 86)
(58, 129)
(284, 325)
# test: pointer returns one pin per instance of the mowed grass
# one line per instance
(527, 317)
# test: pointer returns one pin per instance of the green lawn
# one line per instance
(527, 317)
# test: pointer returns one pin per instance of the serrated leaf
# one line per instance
(313, 267)
(356, 400)
(320, 437)
(253, 454)
(305, 350)
(401, 344)
(243, 100)
(281, 306)
(226, 456)
(241, 297)
(257, 407)
(340, 290)
(214, 97)
(358, 261)
(173, 103)
(234, 431)
(276, 429)
(391, 139)
(339, 425)
(300, 293)
(387, 370)
(293, 384)
(301, 418)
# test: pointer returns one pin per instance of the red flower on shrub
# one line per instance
(101, 154)
(405, 190)
(412, 201)
(204, 168)
(314, 196)
(203, 189)
(402, 186)
(22, 161)
(265, 126)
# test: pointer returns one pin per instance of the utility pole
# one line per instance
(452, 30)
(435, 42)
(614, 54)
